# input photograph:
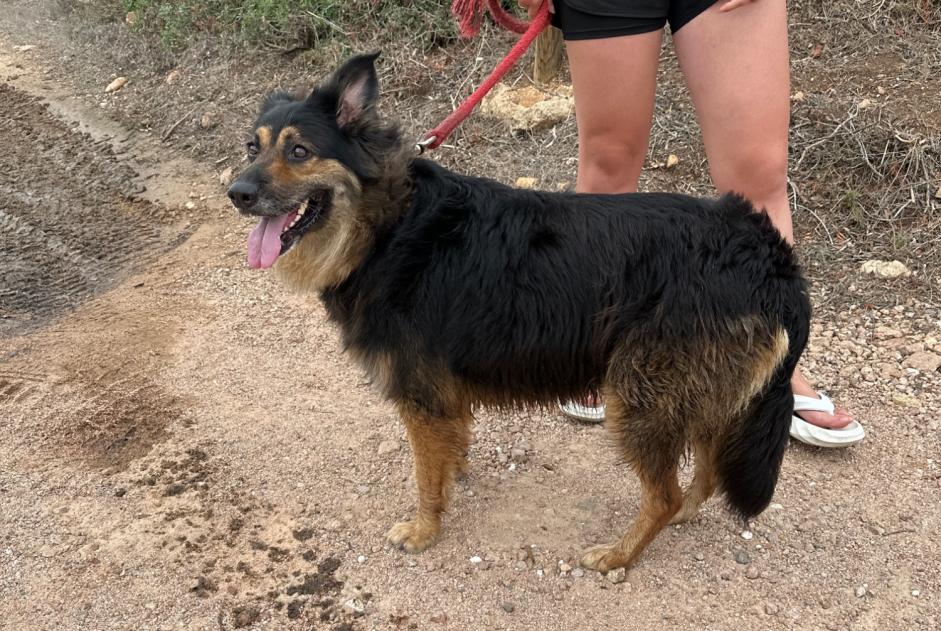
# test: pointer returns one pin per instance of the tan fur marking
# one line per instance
(264, 138)
(439, 447)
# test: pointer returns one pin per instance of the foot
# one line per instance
(412, 536)
(840, 417)
(602, 558)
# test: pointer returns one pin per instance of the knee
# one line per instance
(609, 165)
(758, 173)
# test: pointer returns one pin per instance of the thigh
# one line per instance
(736, 65)
(614, 80)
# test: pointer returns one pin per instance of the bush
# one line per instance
(279, 23)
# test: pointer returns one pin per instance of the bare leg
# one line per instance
(615, 80)
(439, 447)
(736, 64)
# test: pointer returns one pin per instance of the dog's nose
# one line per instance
(243, 194)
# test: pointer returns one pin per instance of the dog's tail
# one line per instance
(749, 459)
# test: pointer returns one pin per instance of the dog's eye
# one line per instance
(299, 152)
(252, 149)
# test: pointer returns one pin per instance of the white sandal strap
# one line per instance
(812, 404)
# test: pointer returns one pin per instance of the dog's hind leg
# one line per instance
(652, 445)
(703, 484)
(439, 447)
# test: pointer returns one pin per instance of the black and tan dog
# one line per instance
(688, 314)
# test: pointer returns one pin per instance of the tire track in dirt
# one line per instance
(70, 227)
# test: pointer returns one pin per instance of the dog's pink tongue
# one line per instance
(264, 243)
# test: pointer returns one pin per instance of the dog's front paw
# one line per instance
(412, 536)
(602, 558)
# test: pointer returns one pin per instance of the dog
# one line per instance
(689, 315)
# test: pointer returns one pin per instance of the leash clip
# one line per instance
(422, 145)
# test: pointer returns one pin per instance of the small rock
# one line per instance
(672, 160)
(699, 556)
(798, 97)
(771, 609)
(24, 48)
(752, 573)
(244, 616)
(617, 575)
(440, 618)
(747, 535)
(916, 593)
(203, 585)
(354, 606)
(518, 455)
(387, 447)
(937, 193)
(508, 607)
(225, 178)
(885, 269)
(361, 558)
(116, 85)
(564, 568)
(905, 400)
(173, 76)
(741, 557)
(924, 360)
(865, 103)
(528, 108)
(190, 205)
(578, 572)
(476, 559)
(860, 591)
(525, 182)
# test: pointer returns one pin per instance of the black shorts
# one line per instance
(597, 19)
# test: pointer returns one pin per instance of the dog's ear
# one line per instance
(355, 87)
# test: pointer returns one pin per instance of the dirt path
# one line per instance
(183, 445)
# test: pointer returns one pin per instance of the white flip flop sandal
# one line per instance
(584, 413)
(821, 436)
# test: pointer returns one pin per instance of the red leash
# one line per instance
(469, 13)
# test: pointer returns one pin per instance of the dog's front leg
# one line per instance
(439, 447)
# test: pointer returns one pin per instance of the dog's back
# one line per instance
(688, 314)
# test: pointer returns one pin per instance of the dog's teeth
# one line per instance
(300, 212)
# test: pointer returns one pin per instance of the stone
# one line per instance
(387, 447)
(741, 557)
(752, 573)
(116, 85)
(617, 575)
(885, 269)
(672, 160)
(905, 400)
(173, 76)
(225, 178)
(508, 607)
(206, 121)
(923, 360)
(528, 108)
(860, 591)
(525, 182)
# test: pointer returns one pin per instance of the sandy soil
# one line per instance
(184, 446)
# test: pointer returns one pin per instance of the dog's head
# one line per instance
(311, 158)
